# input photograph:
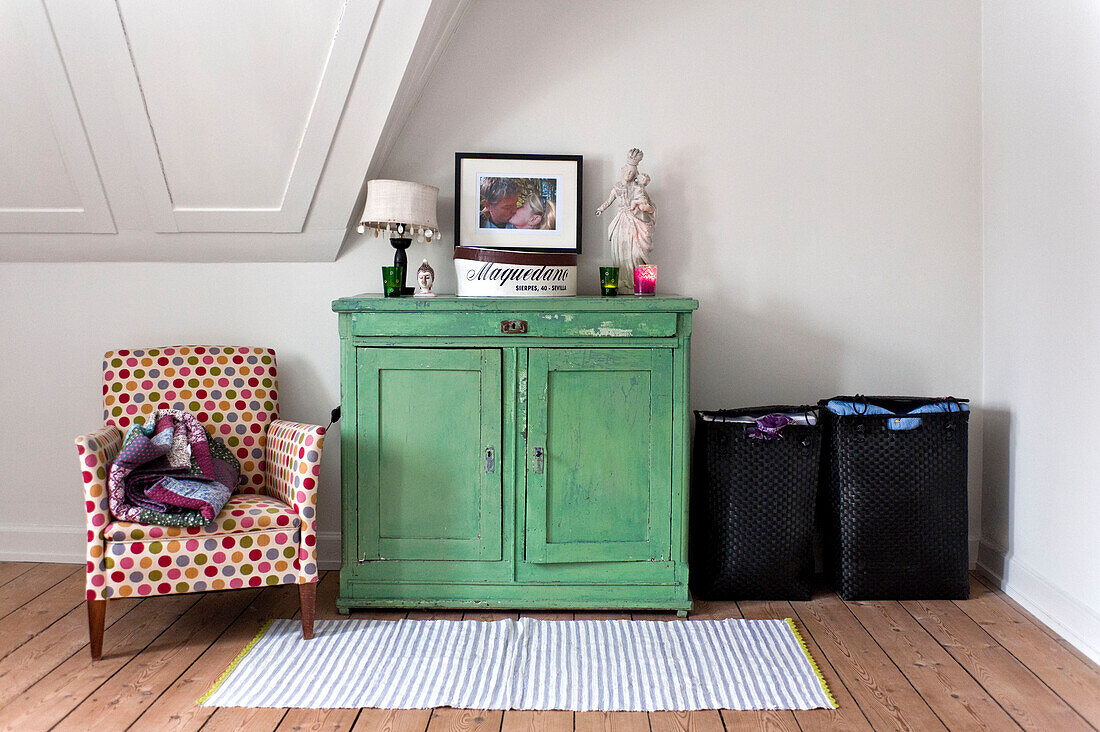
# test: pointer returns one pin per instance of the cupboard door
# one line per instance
(599, 457)
(429, 453)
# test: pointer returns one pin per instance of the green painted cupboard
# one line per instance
(514, 452)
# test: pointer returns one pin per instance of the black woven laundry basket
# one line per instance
(894, 503)
(753, 507)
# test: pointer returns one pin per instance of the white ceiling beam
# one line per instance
(45, 65)
(380, 79)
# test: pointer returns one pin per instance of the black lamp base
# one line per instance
(400, 259)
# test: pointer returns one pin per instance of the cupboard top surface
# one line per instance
(371, 302)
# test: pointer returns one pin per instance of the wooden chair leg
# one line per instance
(307, 594)
(96, 611)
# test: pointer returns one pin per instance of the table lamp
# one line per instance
(401, 209)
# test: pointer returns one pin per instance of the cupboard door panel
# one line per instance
(429, 454)
(599, 481)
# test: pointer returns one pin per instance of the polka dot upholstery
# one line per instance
(293, 470)
(243, 513)
(265, 535)
(96, 451)
(214, 562)
(233, 390)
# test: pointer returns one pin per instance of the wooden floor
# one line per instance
(979, 664)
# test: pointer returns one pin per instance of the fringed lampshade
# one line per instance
(404, 208)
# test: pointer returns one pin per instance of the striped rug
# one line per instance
(578, 665)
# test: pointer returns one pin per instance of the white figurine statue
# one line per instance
(425, 278)
(631, 231)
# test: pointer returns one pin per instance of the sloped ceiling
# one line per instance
(154, 130)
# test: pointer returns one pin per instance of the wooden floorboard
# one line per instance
(13, 570)
(393, 720)
(983, 663)
(318, 720)
(1024, 613)
(39, 613)
(465, 720)
(489, 616)
(52, 647)
(432, 615)
(517, 721)
(1020, 610)
(611, 721)
(32, 583)
(127, 694)
(547, 615)
(1022, 694)
(1074, 680)
(53, 696)
(699, 721)
(881, 690)
(175, 708)
(235, 719)
(952, 693)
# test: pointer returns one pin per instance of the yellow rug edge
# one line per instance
(238, 659)
(813, 663)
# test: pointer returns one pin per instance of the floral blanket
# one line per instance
(170, 472)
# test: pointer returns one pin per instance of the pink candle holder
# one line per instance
(645, 280)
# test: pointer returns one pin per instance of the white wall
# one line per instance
(816, 166)
(1041, 157)
(59, 319)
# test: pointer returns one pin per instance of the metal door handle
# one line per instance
(490, 459)
(539, 462)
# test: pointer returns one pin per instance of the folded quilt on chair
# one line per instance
(170, 472)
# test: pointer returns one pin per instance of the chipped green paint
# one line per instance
(607, 329)
(491, 469)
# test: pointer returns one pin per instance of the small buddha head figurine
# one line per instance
(425, 278)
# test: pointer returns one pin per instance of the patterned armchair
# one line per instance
(266, 533)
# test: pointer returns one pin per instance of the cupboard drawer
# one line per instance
(541, 325)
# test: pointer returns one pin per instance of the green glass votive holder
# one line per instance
(609, 281)
(393, 280)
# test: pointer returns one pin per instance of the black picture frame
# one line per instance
(569, 237)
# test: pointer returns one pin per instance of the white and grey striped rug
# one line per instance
(579, 665)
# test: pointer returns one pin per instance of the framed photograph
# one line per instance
(527, 203)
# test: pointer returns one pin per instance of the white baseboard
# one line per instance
(42, 543)
(1073, 620)
(328, 549)
(65, 544)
